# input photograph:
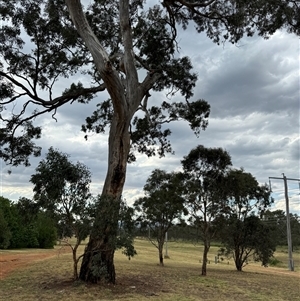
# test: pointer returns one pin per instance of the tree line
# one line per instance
(182, 230)
(24, 225)
(208, 201)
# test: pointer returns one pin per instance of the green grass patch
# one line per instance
(141, 278)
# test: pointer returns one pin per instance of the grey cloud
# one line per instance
(262, 77)
(254, 95)
(294, 151)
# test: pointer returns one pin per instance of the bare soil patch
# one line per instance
(11, 260)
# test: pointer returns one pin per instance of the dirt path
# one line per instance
(15, 259)
(271, 270)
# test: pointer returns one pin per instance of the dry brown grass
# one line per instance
(142, 279)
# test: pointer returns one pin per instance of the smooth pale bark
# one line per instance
(126, 97)
(99, 244)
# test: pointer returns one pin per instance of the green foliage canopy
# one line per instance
(243, 234)
(245, 194)
(277, 220)
(248, 239)
(162, 205)
(62, 188)
(205, 193)
(163, 202)
(24, 225)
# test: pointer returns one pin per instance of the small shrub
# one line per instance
(274, 261)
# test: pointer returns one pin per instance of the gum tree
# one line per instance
(126, 48)
(204, 170)
(63, 189)
(161, 206)
(244, 235)
(248, 239)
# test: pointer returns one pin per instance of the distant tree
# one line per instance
(204, 170)
(295, 229)
(183, 231)
(8, 222)
(161, 206)
(244, 235)
(46, 230)
(18, 230)
(277, 219)
(247, 239)
(28, 210)
(27, 226)
(245, 194)
(62, 188)
(5, 234)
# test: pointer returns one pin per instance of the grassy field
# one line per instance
(141, 279)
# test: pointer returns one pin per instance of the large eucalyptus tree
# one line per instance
(127, 48)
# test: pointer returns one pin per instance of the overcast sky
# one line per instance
(253, 90)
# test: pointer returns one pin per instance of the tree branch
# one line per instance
(195, 4)
(125, 24)
(101, 59)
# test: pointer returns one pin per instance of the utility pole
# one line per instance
(288, 223)
(166, 242)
